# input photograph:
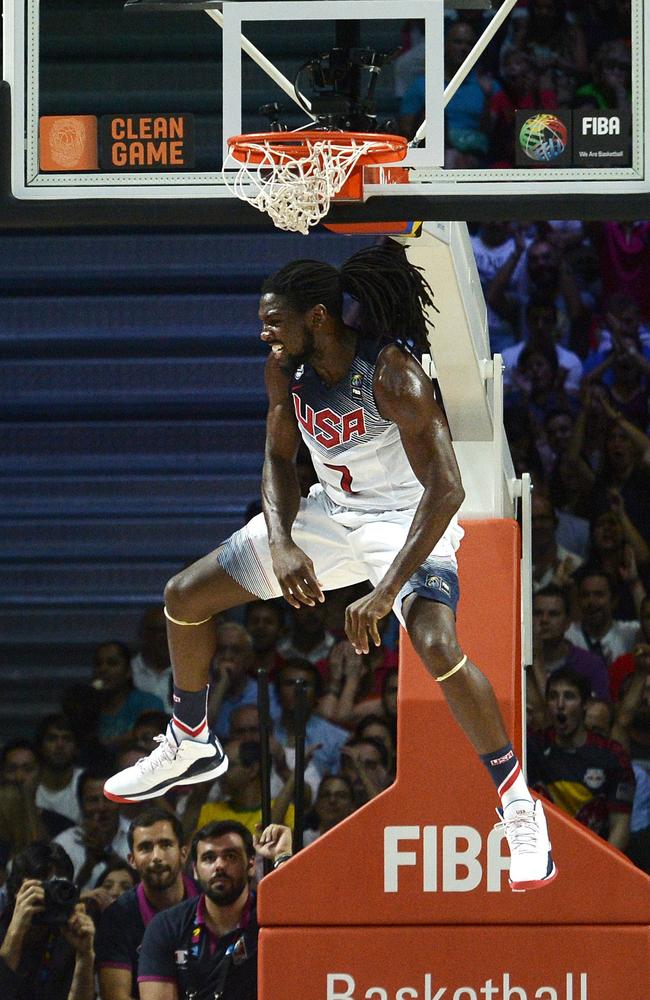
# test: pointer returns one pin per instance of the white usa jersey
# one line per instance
(357, 454)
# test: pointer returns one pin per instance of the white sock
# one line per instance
(517, 795)
(199, 735)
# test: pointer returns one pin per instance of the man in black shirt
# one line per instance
(43, 955)
(157, 853)
(586, 775)
(207, 947)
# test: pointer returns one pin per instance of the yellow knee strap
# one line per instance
(177, 622)
(453, 670)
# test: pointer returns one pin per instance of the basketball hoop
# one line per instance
(293, 176)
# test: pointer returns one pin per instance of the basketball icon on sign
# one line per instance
(543, 137)
(68, 142)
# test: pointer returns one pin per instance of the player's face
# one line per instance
(285, 331)
(223, 868)
(157, 855)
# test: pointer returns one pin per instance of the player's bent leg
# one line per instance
(468, 692)
(192, 600)
(188, 752)
(470, 696)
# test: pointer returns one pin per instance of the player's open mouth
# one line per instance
(276, 348)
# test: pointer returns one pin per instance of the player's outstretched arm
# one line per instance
(281, 493)
(404, 395)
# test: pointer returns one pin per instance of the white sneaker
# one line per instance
(531, 862)
(171, 763)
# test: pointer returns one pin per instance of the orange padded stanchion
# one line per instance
(414, 884)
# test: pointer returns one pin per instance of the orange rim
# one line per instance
(385, 148)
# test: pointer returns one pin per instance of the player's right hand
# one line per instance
(295, 573)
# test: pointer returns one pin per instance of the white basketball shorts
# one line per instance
(346, 546)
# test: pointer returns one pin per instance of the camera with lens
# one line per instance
(61, 897)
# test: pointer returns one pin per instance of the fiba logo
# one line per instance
(543, 137)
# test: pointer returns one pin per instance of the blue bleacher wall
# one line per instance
(132, 431)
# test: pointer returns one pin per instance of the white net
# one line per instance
(294, 189)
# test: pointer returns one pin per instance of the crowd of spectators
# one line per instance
(568, 312)
(550, 55)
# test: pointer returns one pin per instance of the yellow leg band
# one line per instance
(453, 670)
(177, 622)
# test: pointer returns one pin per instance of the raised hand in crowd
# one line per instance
(274, 843)
(364, 762)
(347, 669)
(563, 572)
(638, 544)
(634, 692)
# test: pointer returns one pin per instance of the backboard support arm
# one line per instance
(266, 66)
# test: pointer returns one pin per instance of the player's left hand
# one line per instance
(362, 618)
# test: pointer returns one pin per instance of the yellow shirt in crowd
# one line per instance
(248, 817)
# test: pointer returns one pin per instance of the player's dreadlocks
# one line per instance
(391, 292)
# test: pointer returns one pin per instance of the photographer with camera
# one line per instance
(47, 948)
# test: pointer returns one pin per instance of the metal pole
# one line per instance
(498, 435)
(264, 710)
(300, 723)
(526, 600)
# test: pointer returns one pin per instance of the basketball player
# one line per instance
(384, 510)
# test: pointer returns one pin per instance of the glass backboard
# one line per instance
(519, 100)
